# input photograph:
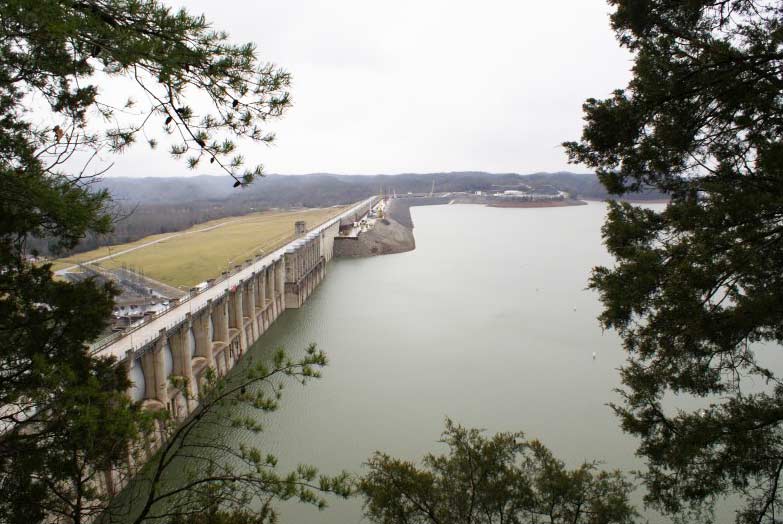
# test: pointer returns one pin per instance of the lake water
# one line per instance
(488, 322)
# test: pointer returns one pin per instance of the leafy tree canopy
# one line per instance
(486, 480)
(64, 416)
(697, 289)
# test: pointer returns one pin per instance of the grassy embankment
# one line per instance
(193, 255)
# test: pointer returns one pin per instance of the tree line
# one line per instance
(149, 206)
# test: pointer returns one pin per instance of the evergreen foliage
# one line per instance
(482, 480)
(64, 416)
(697, 289)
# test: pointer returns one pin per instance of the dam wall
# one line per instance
(356, 214)
(168, 356)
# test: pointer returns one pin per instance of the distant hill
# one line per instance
(324, 189)
(162, 204)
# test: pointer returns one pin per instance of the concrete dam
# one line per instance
(214, 327)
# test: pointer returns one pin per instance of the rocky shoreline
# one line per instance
(387, 237)
(394, 232)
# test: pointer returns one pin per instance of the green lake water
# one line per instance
(488, 322)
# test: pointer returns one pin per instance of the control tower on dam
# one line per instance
(214, 327)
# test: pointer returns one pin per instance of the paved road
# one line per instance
(146, 333)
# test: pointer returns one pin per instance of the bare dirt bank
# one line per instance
(394, 234)
(387, 237)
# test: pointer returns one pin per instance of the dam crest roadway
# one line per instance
(213, 328)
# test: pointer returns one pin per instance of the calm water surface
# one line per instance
(488, 322)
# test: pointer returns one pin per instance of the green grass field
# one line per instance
(193, 256)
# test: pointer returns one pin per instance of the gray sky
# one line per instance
(420, 86)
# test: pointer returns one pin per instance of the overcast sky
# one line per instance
(420, 86)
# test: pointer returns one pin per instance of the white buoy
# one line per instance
(593, 355)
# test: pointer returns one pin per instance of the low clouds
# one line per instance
(416, 86)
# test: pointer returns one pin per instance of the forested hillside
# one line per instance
(153, 205)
